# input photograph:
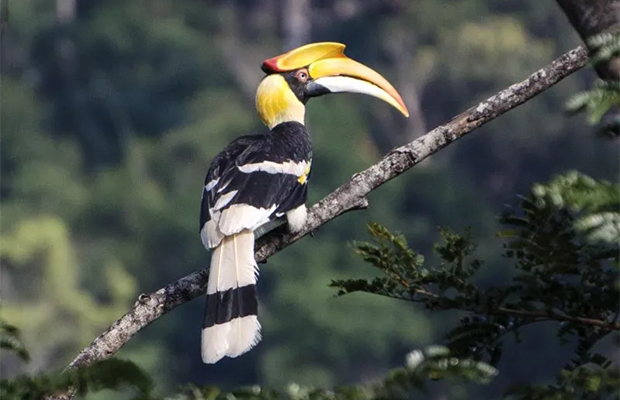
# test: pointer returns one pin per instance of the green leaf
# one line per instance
(107, 374)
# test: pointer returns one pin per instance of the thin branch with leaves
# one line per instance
(562, 273)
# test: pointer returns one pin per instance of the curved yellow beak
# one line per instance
(333, 72)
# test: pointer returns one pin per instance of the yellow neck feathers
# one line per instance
(276, 102)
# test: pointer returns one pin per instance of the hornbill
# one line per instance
(259, 178)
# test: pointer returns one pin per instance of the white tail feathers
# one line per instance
(231, 327)
(245, 333)
(230, 339)
(232, 263)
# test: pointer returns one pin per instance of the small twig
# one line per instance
(538, 315)
(550, 315)
(350, 196)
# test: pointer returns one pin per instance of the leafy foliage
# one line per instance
(605, 96)
(112, 374)
(560, 274)
(591, 382)
(432, 363)
(596, 103)
(10, 340)
(598, 201)
(407, 278)
(107, 374)
(607, 45)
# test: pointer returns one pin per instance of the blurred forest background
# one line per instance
(112, 111)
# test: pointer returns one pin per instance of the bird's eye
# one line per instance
(302, 75)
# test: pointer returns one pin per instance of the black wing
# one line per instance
(254, 179)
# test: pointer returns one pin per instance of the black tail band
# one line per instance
(233, 303)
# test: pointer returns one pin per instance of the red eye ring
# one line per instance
(302, 75)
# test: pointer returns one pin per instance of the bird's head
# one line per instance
(314, 70)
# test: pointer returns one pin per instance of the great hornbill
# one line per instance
(259, 178)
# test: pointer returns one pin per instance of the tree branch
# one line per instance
(349, 196)
(535, 315)
(550, 315)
